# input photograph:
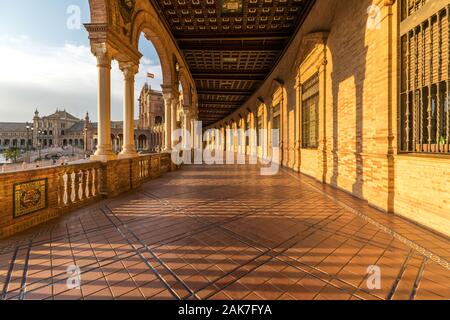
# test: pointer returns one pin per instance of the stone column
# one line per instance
(222, 136)
(174, 111)
(217, 137)
(104, 148)
(235, 137)
(168, 121)
(254, 138)
(187, 126)
(128, 149)
(243, 136)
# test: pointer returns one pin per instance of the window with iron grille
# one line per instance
(424, 118)
(310, 112)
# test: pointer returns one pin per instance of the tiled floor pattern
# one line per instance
(226, 232)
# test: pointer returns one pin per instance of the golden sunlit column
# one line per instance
(243, 137)
(254, 138)
(187, 126)
(173, 114)
(194, 119)
(218, 137)
(104, 148)
(129, 71)
(168, 96)
(192, 132)
(222, 138)
(235, 137)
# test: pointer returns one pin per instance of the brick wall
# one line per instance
(358, 138)
(71, 187)
(422, 190)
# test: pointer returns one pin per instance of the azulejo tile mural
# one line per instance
(30, 197)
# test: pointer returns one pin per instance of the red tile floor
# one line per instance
(226, 232)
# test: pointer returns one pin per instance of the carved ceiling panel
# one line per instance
(231, 45)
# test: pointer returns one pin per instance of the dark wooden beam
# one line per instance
(220, 114)
(221, 110)
(229, 76)
(217, 109)
(220, 103)
(187, 46)
(225, 93)
(234, 37)
(210, 117)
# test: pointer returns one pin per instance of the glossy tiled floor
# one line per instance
(226, 232)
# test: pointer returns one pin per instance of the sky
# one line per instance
(46, 62)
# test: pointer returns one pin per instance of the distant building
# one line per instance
(62, 130)
(151, 108)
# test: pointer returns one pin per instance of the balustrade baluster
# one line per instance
(81, 184)
(61, 188)
(87, 182)
(69, 188)
(95, 181)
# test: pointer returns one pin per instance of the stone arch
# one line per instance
(185, 84)
(315, 58)
(147, 24)
(142, 141)
(99, 11)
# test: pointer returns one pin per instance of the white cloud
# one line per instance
(33, 75)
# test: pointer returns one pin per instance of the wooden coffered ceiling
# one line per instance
(231, 45)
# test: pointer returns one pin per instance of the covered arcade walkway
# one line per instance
(216, 232)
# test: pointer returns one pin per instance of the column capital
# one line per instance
(167, 96)
(176, 95)
(389, 2)
(102, 51)
(129, 69)
(168, 88)
(186, 109)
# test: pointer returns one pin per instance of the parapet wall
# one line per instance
(29, 198)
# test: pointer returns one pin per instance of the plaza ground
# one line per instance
(226, 232)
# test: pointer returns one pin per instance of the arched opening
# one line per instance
(148, 91)
(142, 142)
(114, 143)
(120, 138)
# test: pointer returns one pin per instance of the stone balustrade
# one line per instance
(31, 197)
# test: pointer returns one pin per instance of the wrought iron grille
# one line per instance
(310, 112)
(424, 117)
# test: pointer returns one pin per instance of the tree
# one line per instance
(12, 154)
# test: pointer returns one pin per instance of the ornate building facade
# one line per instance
(151, 108)
(61, 129)
(151, 116)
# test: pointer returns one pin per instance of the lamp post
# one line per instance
(28, 141)
(85, 141)
(39, 144)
